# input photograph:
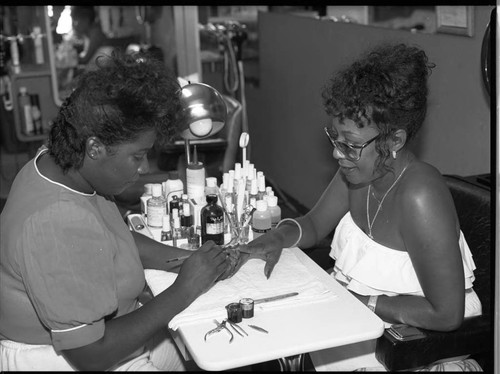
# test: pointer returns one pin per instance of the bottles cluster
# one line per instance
(29, 113)
(165, 206)
(242, 200)
(244, 186)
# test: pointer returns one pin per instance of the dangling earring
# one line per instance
(394, 154)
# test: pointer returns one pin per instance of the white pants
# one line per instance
(161, 354)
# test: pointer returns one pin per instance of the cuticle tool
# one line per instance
(260, 329)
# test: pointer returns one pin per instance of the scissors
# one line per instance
(223, 326)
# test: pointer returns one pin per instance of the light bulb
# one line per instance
(202, 127)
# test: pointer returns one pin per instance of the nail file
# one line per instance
(274, 298)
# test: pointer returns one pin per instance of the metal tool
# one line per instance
(220, 327)
(274, 298)
(237, 328)
(259, 329)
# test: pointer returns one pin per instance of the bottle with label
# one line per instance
(36, 114)
(156, 207)
(212, 221)
(166, 231)
(195, 181)
(274, 209)
(261, 219)
(24, 101)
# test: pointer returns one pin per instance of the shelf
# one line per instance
(31, 71)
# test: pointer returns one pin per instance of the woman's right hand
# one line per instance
(200, 271)
(267, 247)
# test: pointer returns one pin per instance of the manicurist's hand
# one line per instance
(201, 270)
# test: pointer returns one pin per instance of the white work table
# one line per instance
(294, 330)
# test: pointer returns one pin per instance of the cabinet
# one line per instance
(35, 76)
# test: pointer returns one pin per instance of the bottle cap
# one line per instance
(253, 189)
(156, 190)
(195, 165)
(166, 222)
(272, 200)
(148, 188)
(23, 90)
(261, 205)
(211, 198)
(211, 181)
(262, 183)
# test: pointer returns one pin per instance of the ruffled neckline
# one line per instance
(370, 268)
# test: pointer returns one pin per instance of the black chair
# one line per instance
(475, 335)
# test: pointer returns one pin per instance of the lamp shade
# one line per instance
(204, 111)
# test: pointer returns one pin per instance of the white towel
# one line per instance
(289, 275)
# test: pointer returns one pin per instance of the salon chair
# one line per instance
(475, 336)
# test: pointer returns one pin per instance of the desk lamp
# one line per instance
(204, 112)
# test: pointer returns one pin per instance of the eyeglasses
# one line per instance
(352, 152)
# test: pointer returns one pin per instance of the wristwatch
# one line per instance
(372, 302)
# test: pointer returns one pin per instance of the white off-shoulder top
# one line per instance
(369, 268)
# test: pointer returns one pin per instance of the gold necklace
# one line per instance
(370, 224)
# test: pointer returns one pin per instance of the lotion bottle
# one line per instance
(261, 219)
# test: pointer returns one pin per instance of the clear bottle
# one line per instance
(261, 219)
(24, 101)
(274, 209)
(212, 221)
(156, 207)
(166, 231)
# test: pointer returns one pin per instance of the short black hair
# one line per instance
(125, 96)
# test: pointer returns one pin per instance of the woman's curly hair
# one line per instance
(122, 98)
(387, 87)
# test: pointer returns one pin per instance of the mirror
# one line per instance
(81, 33)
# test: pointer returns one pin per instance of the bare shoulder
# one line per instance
(423, 179)
(424, 192)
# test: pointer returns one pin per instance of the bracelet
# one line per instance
(372, 303)
(300, 229)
